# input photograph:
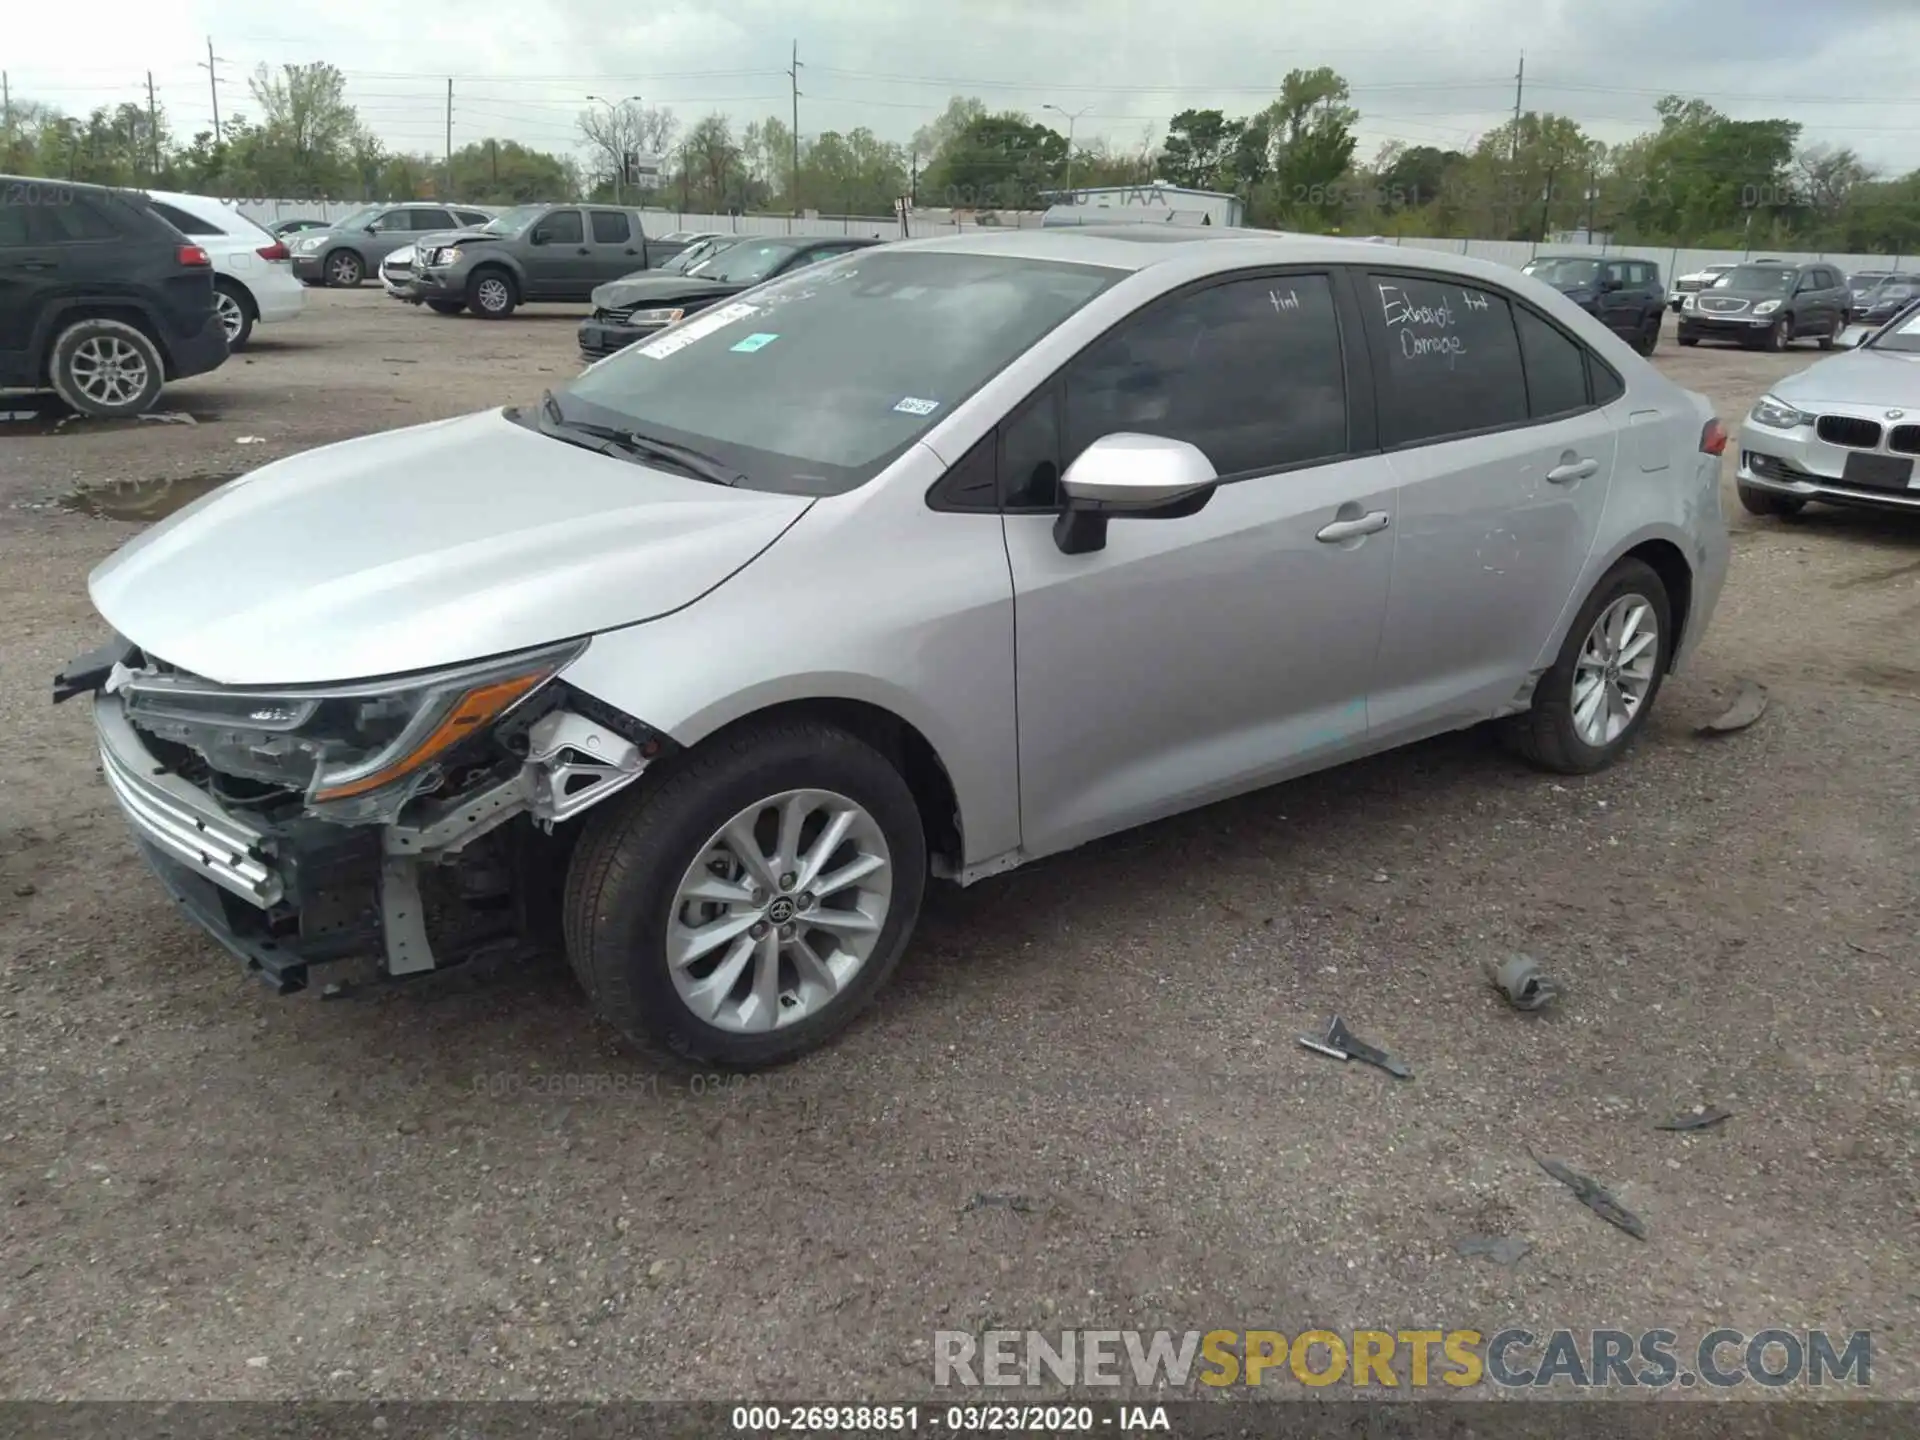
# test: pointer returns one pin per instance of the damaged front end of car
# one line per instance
(410, 819)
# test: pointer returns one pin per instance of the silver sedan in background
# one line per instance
(932, 560)
(1845, 431)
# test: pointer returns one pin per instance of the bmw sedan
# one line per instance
(923, 563)
(1844, 432)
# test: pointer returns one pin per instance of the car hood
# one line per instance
(424, 547)
(643, 288)
(1880, 378)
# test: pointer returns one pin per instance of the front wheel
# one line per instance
(446, 307)
(1591, 704)
(491, 295)
(345, 270)
(1756, 501)
(1779, 335)
(748, 906)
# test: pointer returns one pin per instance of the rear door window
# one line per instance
(1556, 367)
(470, 217)
(432, 220)
(80, 218)
(1446, 356)
(610, 228)
(183, 222)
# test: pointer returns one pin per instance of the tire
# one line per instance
(313, 284)
(624, 883)
(106, 368)
(1756, 501)
(1548, 735)
(1650, 336)
(1689, 340)
(1832, 337)
(237, 312)
(491, 293)
(446, 307)
(345, 270)
(1779, 335)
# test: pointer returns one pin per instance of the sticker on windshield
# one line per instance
(698, 328)
(755, 342)
(911, 406)
(1912, 327)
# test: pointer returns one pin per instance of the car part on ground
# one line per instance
(732, 818)
(1845, 431)
(107, 301)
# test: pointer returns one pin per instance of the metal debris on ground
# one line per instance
(1698, 1118)
(1519, 979)
(988, 1200)
(335, 990)
(168, 417)
(1501, 1249)
(1342, 1044)
(1749, 704)
(250, 440)
(1595, 1196)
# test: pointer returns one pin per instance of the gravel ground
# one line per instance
(211, 1192)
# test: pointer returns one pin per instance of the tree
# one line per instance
(309, 137)
(1004, 161)
(1409, 177)
(509, 173)
(930, 142)
(854, 174)
(1706, 178)
(1310, 144)
(1199, 147)
(627, 129)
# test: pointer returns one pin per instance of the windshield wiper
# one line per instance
(615, 438)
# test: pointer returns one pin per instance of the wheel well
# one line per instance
(241, 292)
(1671, 566)
(910, 751)
(126, 314)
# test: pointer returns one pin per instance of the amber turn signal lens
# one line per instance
(477, 708)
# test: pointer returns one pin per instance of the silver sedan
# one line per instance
(930, 561)
(1845, 431)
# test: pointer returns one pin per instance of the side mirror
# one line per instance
(1125, 474)
(538, 237)
(1609, 284)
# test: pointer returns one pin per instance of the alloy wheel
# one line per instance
(1615, 671)
(109, 371)
(344, 270)
(232, 318)
(780, 911)
(492, 293)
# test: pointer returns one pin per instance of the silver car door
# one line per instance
(1200, 654)
(1504, 457)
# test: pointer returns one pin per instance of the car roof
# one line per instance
(1138, 247)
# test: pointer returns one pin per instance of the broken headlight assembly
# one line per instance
(354, 752)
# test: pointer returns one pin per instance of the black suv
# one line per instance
(1770, 304)
(1624, 295)
(101, 300)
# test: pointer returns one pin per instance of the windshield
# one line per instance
(512, 222)
(1756, 277)
(1565, 272)
(1901, 335)
(748, 262)
(360, 219)
(689, 260)
(1896, 287)
(1866, 279)
(815, 384)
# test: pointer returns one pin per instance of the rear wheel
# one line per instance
(1832, 337)
(746, 908)
(446, 307)
(1756, 501)
(1591, 704)
(491, 294)
(236, 310)
(106, 368)
(1650, 335)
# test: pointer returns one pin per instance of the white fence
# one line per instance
(1673, 261)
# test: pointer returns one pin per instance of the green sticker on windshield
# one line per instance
(755, 342)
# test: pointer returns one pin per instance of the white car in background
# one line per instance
(252, 270)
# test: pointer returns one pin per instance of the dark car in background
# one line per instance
(101, 300)
(1883, 301)
(534, 253)
(1769, 304)
(1623, 294)
(637, 306)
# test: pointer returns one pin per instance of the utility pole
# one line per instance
(1073, 117)
(449, 194)
(1519, 93)
(6, 110)
(1546, 205)
(793, 173)
(213, 85)
(683, 179)
(493, 153)
(153, 124)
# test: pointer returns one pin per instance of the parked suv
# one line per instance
(1625, 295)
(932, 560)
(252, 275)
(534, 252)
(101, 300)
(1769, 304)
(347, 252)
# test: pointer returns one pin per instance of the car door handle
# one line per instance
(583, 250)
(1369, 524)
(39, 265)
(1567, 474)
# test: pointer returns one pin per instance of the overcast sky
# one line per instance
(1423, 72)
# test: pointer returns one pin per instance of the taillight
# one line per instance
(1713, 439)
(193, 255)
(275, 251)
